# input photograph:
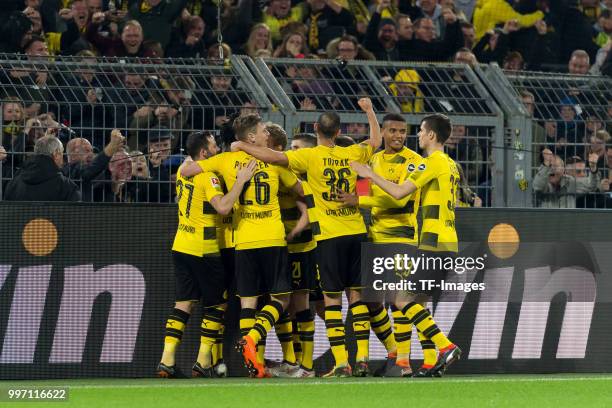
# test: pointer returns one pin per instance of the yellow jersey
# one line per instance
(257, 220)
(197, 229)
(225, 234)
(290, 214)
(328, 169)
(438, 179)
(393, 221)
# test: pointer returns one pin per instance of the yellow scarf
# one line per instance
(313, 32)
(195, 7)
(145, 7)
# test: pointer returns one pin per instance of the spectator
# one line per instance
(432, 10)
(156, 17)
(579, 63)
(344, 141)
(406, 89)
(15, 33)
(13, 119)
(469, 35)
(489, 13)
(597, 147)
(605, 24)
(317, 92)
(84, 167)
(357, 131)
(538, 133)
(187, 42)
(141, 179)
(493, 46)
(466, 151)
(120, 169)
(40, 178)
(214, 55)
(347, 48)
(514, 61)
(465, 196)
(381, 38)
(326, 21)
(405, 29)
(128, 45)
(160, 143)
(259, 39)
(293, 46)
(424, 46)
(278, 14)
(554, 188)
(576, 32)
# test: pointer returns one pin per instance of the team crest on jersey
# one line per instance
(422, 166)
(215, 182)
(411, 167)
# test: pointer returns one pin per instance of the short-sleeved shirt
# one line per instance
(395, 222)
(197, 229)
(257, 219)
(438, 178)
(328, 169)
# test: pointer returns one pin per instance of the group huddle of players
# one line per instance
(283, 229)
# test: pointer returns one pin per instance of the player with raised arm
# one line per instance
(200, 275)
(437, 178)
(261, 248)
(392, 222)
(337, 229)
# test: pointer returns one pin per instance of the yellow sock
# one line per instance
(284, 332)
(381, 325)
(430, 357)
(265, 319)
(402, 328)
(209, 332)
(247, 321)
(175, 326)
(422, 319)
(297, 346)
(336, 334)
(361, 328)
(306, 328)
(217, 351)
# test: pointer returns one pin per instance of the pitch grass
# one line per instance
(516, 391)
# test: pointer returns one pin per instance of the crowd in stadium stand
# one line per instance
(571, 36)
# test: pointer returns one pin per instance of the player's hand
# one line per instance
(246, 172)
(98, 18)
(362, 169)
(547, 156)
(347, 199)
(365, 104)
(235, 146)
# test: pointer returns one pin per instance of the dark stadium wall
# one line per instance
(85, 291)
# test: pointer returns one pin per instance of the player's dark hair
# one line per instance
(328, 125)
(245, 124)
(308, 138)
(278, 136)
(344, 141)
(393, 117)
(197, 141)
(439, 124)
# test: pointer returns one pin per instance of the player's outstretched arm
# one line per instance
(302, 222)
(375, 139)
(262, 153)
(397, 191)
(223, 204)
(190, 168)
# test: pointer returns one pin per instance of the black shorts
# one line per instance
(199, 279)
(262, 271)
(427, 278)
(339, 261)
(303, 270)
(317, 293)
(228, 256)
